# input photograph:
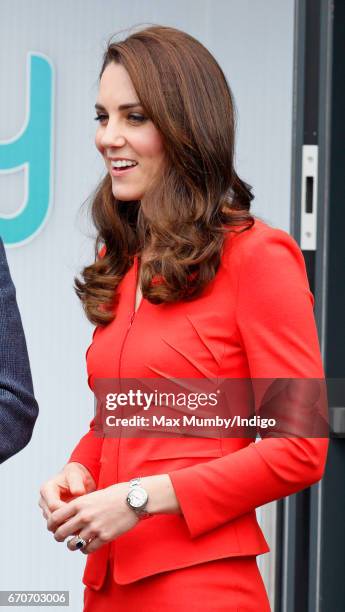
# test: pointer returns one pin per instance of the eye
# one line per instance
(132, 117)
(137, 118)
(100, 118)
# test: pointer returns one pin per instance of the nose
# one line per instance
(112, 136)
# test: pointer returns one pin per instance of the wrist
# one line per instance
(161, 495)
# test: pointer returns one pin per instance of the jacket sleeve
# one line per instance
(18, 407)
(89, 448)
(276, 328)
(88, 452)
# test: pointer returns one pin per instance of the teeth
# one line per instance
(122, 163)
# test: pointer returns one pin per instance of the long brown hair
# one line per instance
(183, 220)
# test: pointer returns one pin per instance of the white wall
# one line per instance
(252, 40)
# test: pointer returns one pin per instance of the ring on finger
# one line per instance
(78, 542)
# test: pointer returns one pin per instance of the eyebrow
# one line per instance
(121, 107)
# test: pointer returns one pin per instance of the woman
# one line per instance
(187, 284)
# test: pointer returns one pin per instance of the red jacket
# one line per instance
(255, 319)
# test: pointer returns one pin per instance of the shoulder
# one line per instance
(2, 250)
(261, 246)
(264, 261)
(257, 236)
(5, 275)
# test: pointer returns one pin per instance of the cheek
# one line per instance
(150, 145)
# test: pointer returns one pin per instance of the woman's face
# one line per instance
(125, 134)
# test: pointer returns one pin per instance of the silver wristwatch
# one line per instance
(137, 498)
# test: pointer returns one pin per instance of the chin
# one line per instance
(125, 196)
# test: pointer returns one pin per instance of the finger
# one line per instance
(85, 534)
(60, 516)
(95, 544)
(76, 483)
(71, 527)
(45, 510)
(72, 543)
(51, 495)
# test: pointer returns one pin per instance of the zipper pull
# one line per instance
(131, 319)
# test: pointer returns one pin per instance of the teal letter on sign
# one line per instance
(31, 150)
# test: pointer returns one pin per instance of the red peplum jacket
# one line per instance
(254, 320)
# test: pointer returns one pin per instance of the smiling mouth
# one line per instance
(123, 170)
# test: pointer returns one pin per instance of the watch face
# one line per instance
(137, 498)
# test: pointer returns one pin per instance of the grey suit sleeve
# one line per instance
(18, 407)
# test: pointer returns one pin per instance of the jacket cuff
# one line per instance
(221, 490)
(205, 505)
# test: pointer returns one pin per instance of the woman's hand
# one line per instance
(73, 480)
(100, 516)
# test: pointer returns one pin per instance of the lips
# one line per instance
(121, 171)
